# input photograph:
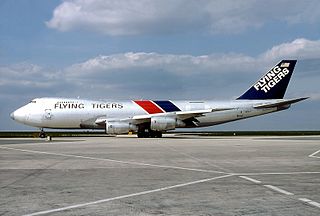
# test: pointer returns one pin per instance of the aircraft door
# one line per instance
(48, 114)
(239, 113)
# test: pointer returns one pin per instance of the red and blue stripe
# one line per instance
(159, 106)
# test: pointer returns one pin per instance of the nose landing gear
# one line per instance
(42, 134)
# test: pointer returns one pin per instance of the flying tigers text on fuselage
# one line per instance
(76, 105)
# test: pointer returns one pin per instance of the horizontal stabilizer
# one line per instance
(281, 103)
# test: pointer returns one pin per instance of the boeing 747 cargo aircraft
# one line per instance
(150, 118)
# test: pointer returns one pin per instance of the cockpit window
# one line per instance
(33, 101)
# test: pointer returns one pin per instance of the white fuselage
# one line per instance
(76, 113)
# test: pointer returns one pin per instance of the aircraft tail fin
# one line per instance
(273, 84)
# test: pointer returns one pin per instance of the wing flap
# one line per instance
(182, 115)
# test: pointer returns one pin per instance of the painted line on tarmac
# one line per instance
(276, 173)
(279, 190)
(314, 153)
(127, 196)
(310, 202)
(305, 200)
(195, 158)
(251, 179)
(115, 161)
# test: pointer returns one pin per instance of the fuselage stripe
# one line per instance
(167, 106)
(149, 106)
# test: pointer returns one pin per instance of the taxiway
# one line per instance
(185, 175)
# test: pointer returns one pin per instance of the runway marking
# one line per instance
(314, 153)
(279, 190)
(127, 196)
(305, 200)
(276, 173)
(116, 161)
(155, 165)
(310, 202)
(251, 179)
(195, 158)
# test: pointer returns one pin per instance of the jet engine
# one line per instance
(163, 123)
(117, 127)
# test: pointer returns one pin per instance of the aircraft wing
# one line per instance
(284, 103)
(181, 115)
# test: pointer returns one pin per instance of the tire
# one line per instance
(150, 134)
(159, 134)
(153, 134)
(143, 135)
(156, 134)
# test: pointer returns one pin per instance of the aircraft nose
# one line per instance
(12, 115)
(19, 115)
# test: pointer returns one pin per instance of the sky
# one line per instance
(159, 49)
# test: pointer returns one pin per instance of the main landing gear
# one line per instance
(149, 134)
(42, 134)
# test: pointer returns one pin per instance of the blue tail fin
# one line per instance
(273, 84)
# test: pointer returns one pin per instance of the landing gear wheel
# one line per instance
(159, 134)
(155, 134)
(140, 135)
(144, 134)
(147, 133)
(42, 134)
(152, 134)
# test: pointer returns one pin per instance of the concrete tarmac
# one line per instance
(175, 175)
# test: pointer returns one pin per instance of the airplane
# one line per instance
(150, 118)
